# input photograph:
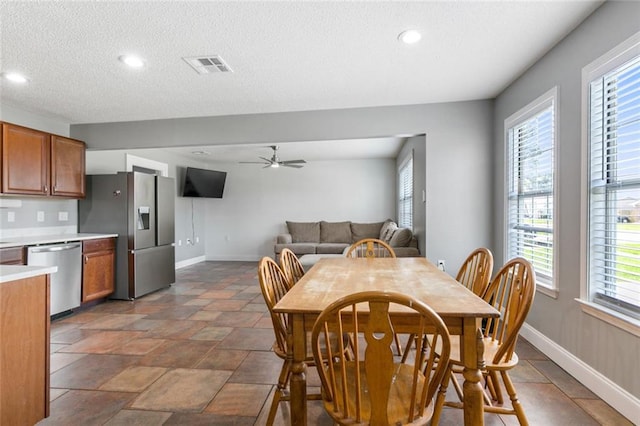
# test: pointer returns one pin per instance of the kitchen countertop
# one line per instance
(19, 272)
(50, 239)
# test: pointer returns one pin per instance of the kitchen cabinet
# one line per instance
(12, 256)
(98, 268)
(25, 160)
(38, 163)
(67, 167)
(24, 350)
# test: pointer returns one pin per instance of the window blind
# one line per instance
(530, 189)
(614, 196)
(405, 194)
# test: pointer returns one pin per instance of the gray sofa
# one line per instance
(334, 237)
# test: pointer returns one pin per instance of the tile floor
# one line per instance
(199, 353)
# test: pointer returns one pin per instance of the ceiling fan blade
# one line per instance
(266, 159)
(293, 162)
(291, 165)
(251, 162)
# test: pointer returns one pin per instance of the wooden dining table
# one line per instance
(333, 278)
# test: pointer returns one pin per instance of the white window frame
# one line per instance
(619, 55)
(544, 283)
(405, 166)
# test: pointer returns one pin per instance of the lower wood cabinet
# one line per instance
(98, 268)
(12, 256)
(24, 351)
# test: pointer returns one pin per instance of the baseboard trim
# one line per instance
(625, 403)
(189, 262)
(235, 258)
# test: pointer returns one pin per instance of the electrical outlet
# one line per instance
(441, 264)
(40, 216)
(11, 216)
(63, 216)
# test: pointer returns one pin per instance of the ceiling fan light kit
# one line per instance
(274, 162)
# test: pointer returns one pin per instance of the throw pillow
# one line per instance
(360, 231)
(335, 232)
(401, 238)
(387, 230)
(304, 232)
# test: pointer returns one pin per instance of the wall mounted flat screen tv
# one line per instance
(203, 183)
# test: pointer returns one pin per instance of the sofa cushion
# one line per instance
(297, 248)
(331, 248)
(283, 239)
(406, 252)
(304, 232)
(360, 231)
(387, 230)
(401, 237)
(335, 232)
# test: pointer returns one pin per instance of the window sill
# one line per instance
(547, 290)
(610, 316)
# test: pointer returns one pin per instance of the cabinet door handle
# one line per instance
(86, 259)
(55, 189)
(46, 188)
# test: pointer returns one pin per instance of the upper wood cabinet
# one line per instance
(25, 161)
(67, 167)
(38, 163)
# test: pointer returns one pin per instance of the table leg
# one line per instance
(298, 383)
(473, 361)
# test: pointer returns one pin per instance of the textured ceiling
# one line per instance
(286, 56)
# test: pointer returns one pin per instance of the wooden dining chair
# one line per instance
(475, 272)
(511, 292)
(372, 388)
(291, 266)
(370, 248)
(274, 285)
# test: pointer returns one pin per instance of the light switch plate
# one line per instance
(11, 216)
(63, 216)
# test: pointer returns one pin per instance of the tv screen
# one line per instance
(203, 183)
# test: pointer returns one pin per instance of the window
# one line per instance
(405, 194)
(613, 143)
(530, 186)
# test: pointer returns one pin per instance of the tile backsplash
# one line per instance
(35, 216)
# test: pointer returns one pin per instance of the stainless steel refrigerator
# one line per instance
(139, 207)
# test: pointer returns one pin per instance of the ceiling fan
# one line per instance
(274, 161)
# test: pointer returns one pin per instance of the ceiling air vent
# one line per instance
(208, 64)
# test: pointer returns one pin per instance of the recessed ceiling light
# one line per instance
(15, 77)
(409, 36)
(132, 61)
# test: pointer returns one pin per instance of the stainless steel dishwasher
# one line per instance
(66, 283)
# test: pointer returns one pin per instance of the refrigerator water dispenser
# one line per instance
(143, 217)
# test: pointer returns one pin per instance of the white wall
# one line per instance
(257, 202)
(24, 118)
(189, 213)
(459, 155)
(608, 351)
